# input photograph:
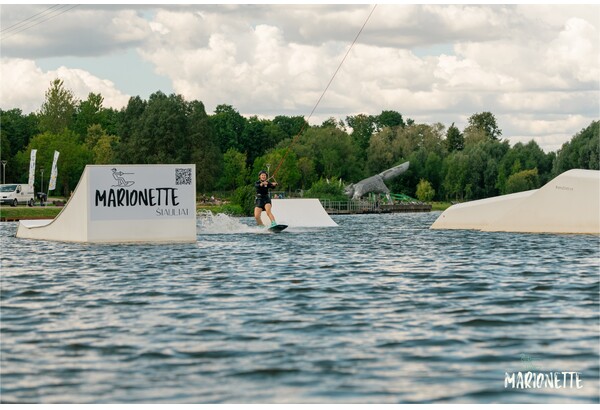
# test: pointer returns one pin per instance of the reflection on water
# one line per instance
(377, 310)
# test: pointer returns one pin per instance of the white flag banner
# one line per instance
(32, 167)
(54, 173)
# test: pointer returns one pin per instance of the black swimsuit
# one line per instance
(262, 195)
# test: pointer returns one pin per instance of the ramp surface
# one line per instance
(299, 213)
(570, 203)
(125, 203)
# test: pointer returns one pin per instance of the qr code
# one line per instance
(183, 176)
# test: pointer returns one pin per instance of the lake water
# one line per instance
(377, 310)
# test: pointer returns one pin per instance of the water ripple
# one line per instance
(377, 310)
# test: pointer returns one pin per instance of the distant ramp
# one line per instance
(478, 214)
(300, 213)
(125, 203)
(570, 203)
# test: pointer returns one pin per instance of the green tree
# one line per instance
(485, 121)
(16, 130)
(291, 126)
(455, 140)
(228, 126)
(244, 196)
(389, 119)
(582, 151)
(130, 118)
(474, 136)
(258, 136)
(58, 109)
(161, 135)
(329, 123)
(234, 173)
(384, 151)
(205, 148)
(363, 127)
(88, 113)
(333, 153)
(283, 167)
(102, 145)
(73, 158)
(425, 191)
(308, 175)
(418, 136)
(325, 189)
(523, 181)
(456, 172)
(522, 157)
(433, 170)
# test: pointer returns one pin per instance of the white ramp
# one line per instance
(570, 203)
(478, 214)
(301, 213)
(125, 203)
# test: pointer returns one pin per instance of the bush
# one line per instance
(425, 191)
(523, 181)
(322, 189)
(244, 198)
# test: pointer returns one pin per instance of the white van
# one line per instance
(14, 194)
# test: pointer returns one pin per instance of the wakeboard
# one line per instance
(277, 228)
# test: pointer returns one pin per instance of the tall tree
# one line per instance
(485, 121)
(523, 181)
(389, 119)
(102, 145)
(89, 112)
(58, 110)
(234, 173)
(205, 152)
(74, 156)
(288, 175)
(582, 151)
(454, 139)
(291, 126)
(523, 157)
(228, 126)
(258, 136)
(16, 130)
(456, 173)
(129, 122)
(162, 136)
(363, 127)
(333, 152)
(330, 122)
(414, 137)
(384, 151)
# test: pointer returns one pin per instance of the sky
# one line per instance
(535, 67)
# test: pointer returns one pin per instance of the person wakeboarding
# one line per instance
(263, 200)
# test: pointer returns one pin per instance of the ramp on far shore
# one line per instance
(124, 203)
(570, 203)
(300, 213)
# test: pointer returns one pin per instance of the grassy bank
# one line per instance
(24, 212)
(8, 213)
(440, 206)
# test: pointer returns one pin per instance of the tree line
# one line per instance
(229, 149)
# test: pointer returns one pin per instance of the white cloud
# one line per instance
(535, 67)
(24, 85)
(550, 132)
(575, 52)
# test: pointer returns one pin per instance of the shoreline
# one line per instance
(14, 214)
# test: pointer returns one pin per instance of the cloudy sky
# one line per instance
(535, 67)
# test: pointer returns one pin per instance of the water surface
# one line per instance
(377, 310)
